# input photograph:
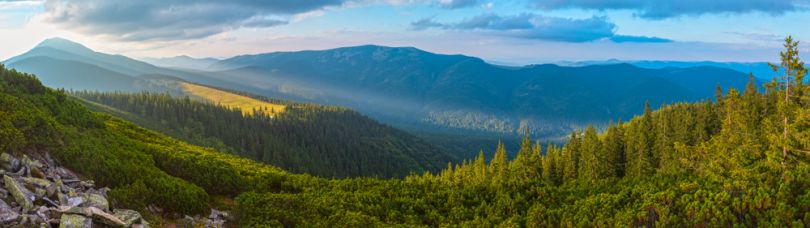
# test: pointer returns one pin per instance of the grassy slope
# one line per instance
(140, 166)
(228, 99)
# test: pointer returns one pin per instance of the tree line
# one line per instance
(320, 140)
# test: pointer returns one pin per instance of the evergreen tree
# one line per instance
(640, 151)
(498, 167)
(793, 70)
(551, 168)
(613, 149)
(524, 166)
(480, 167)
(571, 157)
(593, 165)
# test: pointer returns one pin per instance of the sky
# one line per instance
(504, 31)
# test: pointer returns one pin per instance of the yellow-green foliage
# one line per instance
(232, 100)
(217, 172)
(710, 164)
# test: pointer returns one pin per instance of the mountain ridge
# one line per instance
(410, 87)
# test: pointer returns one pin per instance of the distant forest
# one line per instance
(320, 140)
(739, 160)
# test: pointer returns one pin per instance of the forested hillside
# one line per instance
(319, 140)
(741, 160)
(406, 87)
(416, 89)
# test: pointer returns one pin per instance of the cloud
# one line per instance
(532, 26)
(638, 39)
(661, 9)
(425, 23)
(173, 19)
(455, 4)
(760, 36)
(445, 4)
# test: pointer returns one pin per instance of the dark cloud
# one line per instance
(532, 26)
(659, 9)
(425, 23)
(173, 19)
(496, 22)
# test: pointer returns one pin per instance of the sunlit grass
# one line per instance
(231, 100)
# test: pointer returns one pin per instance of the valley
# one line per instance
(668, 167)
(417, 113)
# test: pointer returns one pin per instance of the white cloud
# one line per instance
(312, 14)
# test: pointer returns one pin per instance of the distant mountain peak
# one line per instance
(64, 44)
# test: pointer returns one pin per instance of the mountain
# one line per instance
(295, 142)
(182, 62)
(58, 48)
(410, 87)
(760, 70)
(74, 75)
(731, 162)
(75, 61)
(415, 89)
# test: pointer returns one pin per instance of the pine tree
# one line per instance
(498, 167)
(613, 148)
(480, 167)
(793, 70)
(551, 165)
(570, 157)
(640, 150)
(592, 165)
(524, 165)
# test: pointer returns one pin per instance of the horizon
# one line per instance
(518, 32)
(584, 62)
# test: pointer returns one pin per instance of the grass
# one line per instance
(231, 100)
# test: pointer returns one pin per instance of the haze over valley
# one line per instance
(355, 113)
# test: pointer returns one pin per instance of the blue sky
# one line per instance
(506, 31)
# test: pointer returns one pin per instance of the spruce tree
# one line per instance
(498, 167)
(592, 165)
(570, 157)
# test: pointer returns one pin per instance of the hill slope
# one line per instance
(75, 75)
(706, 164)
(319, 140)
(378, 151)
(414, 89)
(410, 86)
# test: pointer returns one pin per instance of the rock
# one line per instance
(96, 200)
(9, 162)
(75, 201)
(40, 193)
(21, 195)
(106, 218)
(45, 195)
(75, 221)
(42, 212)
(87, 184)
(36, 182)
(129, 217)
(143, 224)
(189, 221)
(7, 214)
(63, 199)
(64, 174)
(51, 190)
(72, 192)
(74, 210)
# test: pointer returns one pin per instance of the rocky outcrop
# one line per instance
(37, 193)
